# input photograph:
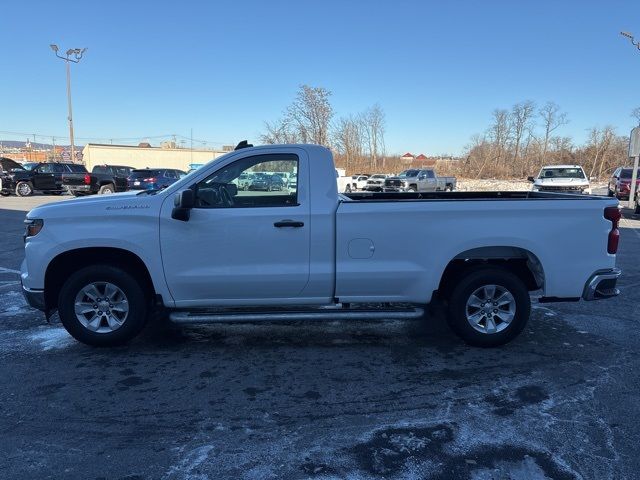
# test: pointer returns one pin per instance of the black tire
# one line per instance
(609, 192)
(24, 189)
(107, 189)
(78, 194)
(136, 300)
(637, 209)
(347, 189)
(470, 283)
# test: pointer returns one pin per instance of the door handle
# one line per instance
(288, 223)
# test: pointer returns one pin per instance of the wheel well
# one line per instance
(524, 264)
(65, 264)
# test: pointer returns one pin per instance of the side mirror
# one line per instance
(183, 202)
(531, 179)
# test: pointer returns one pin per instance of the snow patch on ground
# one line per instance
(51, 338)
(11, 303)
(188, 467)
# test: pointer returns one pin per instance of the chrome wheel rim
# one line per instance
(24, 189)
(107, 190)
(490, 309)
(101, 307)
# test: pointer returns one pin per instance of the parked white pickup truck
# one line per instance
(209, 252)
(561, 178)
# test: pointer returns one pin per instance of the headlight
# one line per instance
(33, 227)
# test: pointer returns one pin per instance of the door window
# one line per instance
(257, 181)
(45, 168)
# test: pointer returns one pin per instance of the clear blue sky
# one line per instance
(437, 68)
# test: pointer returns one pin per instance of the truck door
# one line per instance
(248, 245)
(43, 177)
(428, 181)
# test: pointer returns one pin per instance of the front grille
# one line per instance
(559, 189)
(393, 183)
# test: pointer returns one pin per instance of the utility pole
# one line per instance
(77, 55)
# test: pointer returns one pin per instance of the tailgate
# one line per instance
(73, 179)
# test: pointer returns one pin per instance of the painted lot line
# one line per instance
(9, 270)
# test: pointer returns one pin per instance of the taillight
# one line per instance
(87, 179)
(613, 215)
(150, 179)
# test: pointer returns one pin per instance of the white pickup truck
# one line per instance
(208, 252)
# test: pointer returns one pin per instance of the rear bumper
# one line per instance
(79, 188)
(602, 284)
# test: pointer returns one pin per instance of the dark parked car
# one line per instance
(620, 183)
(46, 178)
(103, 179)
(263, 181)
(153, 178)
(7, 167)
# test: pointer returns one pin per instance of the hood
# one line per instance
(101, 204)
(562, 181)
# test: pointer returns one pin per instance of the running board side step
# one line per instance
(195, 317)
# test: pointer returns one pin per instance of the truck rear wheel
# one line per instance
(489, 307)
(106, 189)
(102, 305)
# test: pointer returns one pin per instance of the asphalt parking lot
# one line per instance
(390, 399)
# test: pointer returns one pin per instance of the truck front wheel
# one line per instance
(24, 189)
(102, 305)
(489, 307)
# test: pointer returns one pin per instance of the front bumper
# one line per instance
(35, 298)
(602, 284)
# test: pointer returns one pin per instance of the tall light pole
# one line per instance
(634, 141)
(76, 53)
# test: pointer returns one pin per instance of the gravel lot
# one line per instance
(388, 399)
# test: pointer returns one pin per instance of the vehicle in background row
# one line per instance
(7, 168)
(153, 178)
(265, 182)
(103, 179)
(353, 183)
(375, 183)
(44, 177)
(561, 179)
(620, 183)
(419, 180)
(210, 253)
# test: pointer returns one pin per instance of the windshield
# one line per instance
(571, 172)
(76, 168)
(145, 173)
(409, 173)
(626, 173)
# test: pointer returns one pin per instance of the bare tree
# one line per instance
(522, 123)
(599, 142)
(279, 131)
(552, 118)
(349, 141)
(310, 114)
(373, 125)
